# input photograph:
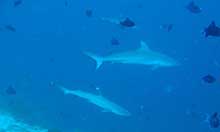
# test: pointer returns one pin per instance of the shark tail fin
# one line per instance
(98, 59)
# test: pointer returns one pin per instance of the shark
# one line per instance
(142, 55)
(98, 100)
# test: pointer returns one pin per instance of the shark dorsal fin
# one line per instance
(144, 46)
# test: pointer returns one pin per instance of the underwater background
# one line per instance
(43, 43)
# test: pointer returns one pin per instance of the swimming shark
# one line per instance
(142, 55)
(98, 100)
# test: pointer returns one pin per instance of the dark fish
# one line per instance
(17, 3)
(209, 79)
(10, 90)
(212, 30)
(167, 27)
(89, 13)
(127, 22)
(214, 120)
(10, 28)
(193, 8)
(115, 41)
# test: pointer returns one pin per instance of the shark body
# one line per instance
(98, 100)
(142, 55)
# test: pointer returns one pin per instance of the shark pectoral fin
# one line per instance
(98, 59)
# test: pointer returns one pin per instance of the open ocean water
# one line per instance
(171, 84)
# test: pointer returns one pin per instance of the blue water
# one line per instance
(47, 48)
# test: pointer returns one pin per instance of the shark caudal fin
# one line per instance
(97, 59)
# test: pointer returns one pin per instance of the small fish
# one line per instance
(193, 8)
(212, 30)
(114, 41)
(127, 22)
(17, 3)
(209, 79)
(214, 120)
(10, 28)
(89, 13)
(10, 90)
